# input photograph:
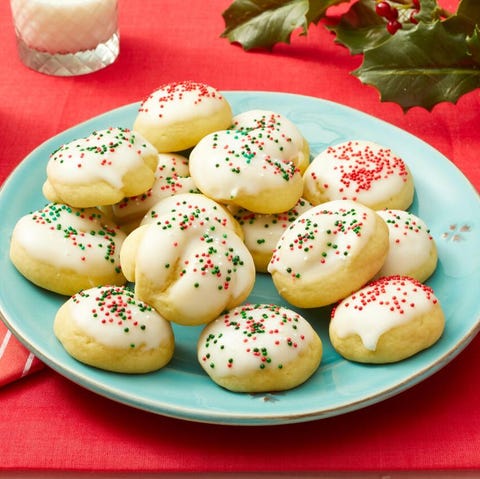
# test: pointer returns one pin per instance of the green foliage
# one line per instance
(432, 59)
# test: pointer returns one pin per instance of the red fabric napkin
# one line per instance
(16, 361)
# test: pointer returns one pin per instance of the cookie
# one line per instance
(361, 171)
(412, 250)
(189, 273)
(328, 252)
(388, 320)
(101, 169)
(259, 348)
(108, 328)
(65, 249)
(177, 115)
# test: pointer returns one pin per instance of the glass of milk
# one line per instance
(66, 37)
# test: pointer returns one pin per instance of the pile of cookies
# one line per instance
(170, 222)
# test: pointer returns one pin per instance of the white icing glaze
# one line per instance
(185, 209)
(229, 163)
(381, 306)
(359, 170)
(203, 267)
(177, 101)
(78, 239)
(251, 338)
(410, 242)
(103, 155)
(262, 231)
(322, 239)
(171, 177)
(113, 317)
(282, 129)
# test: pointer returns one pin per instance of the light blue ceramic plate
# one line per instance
(444, 199)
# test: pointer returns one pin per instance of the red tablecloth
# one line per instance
(47, 422)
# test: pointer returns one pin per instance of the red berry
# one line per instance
(412, 18)
(393, 26)
(416, 4)
(383, 9)
(392, 14)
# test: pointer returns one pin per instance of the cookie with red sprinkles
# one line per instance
(65, 249)
(101, 169)
(328, 252)
(259, 348)
(177, 115)
(189, 269)
(361, 171)
(388, 320)
(412, 251)
(107, 327)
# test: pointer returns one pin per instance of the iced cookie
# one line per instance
(189, 273)
(177, 115)
(328, 252)
(108, 328)
(412, 249)
(65, 249)
(249, 169)
(262, 232)
(361, 171)
(285, 131)
(386, 321)
(100, 169)
(259, 348)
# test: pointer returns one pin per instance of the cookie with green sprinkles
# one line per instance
(177, 115)
(412, 251)
(285, 131)
(259, 348)
(329, 252)
(261, 231)
(106, 327)
(248, 168)
(101, 169)
(65, 249)
(190, 271)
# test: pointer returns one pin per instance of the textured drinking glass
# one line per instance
(66, 37)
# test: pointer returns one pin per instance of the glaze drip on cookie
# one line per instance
(381, 306)
(105, 155)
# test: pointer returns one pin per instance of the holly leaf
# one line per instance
(360, 28)
(474, 45)
(422, 67)
(318, 9)
(429, 11)
(264, 23)
(465, 19)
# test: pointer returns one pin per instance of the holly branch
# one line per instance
(414, 52)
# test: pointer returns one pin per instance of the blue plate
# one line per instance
(444, 199)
